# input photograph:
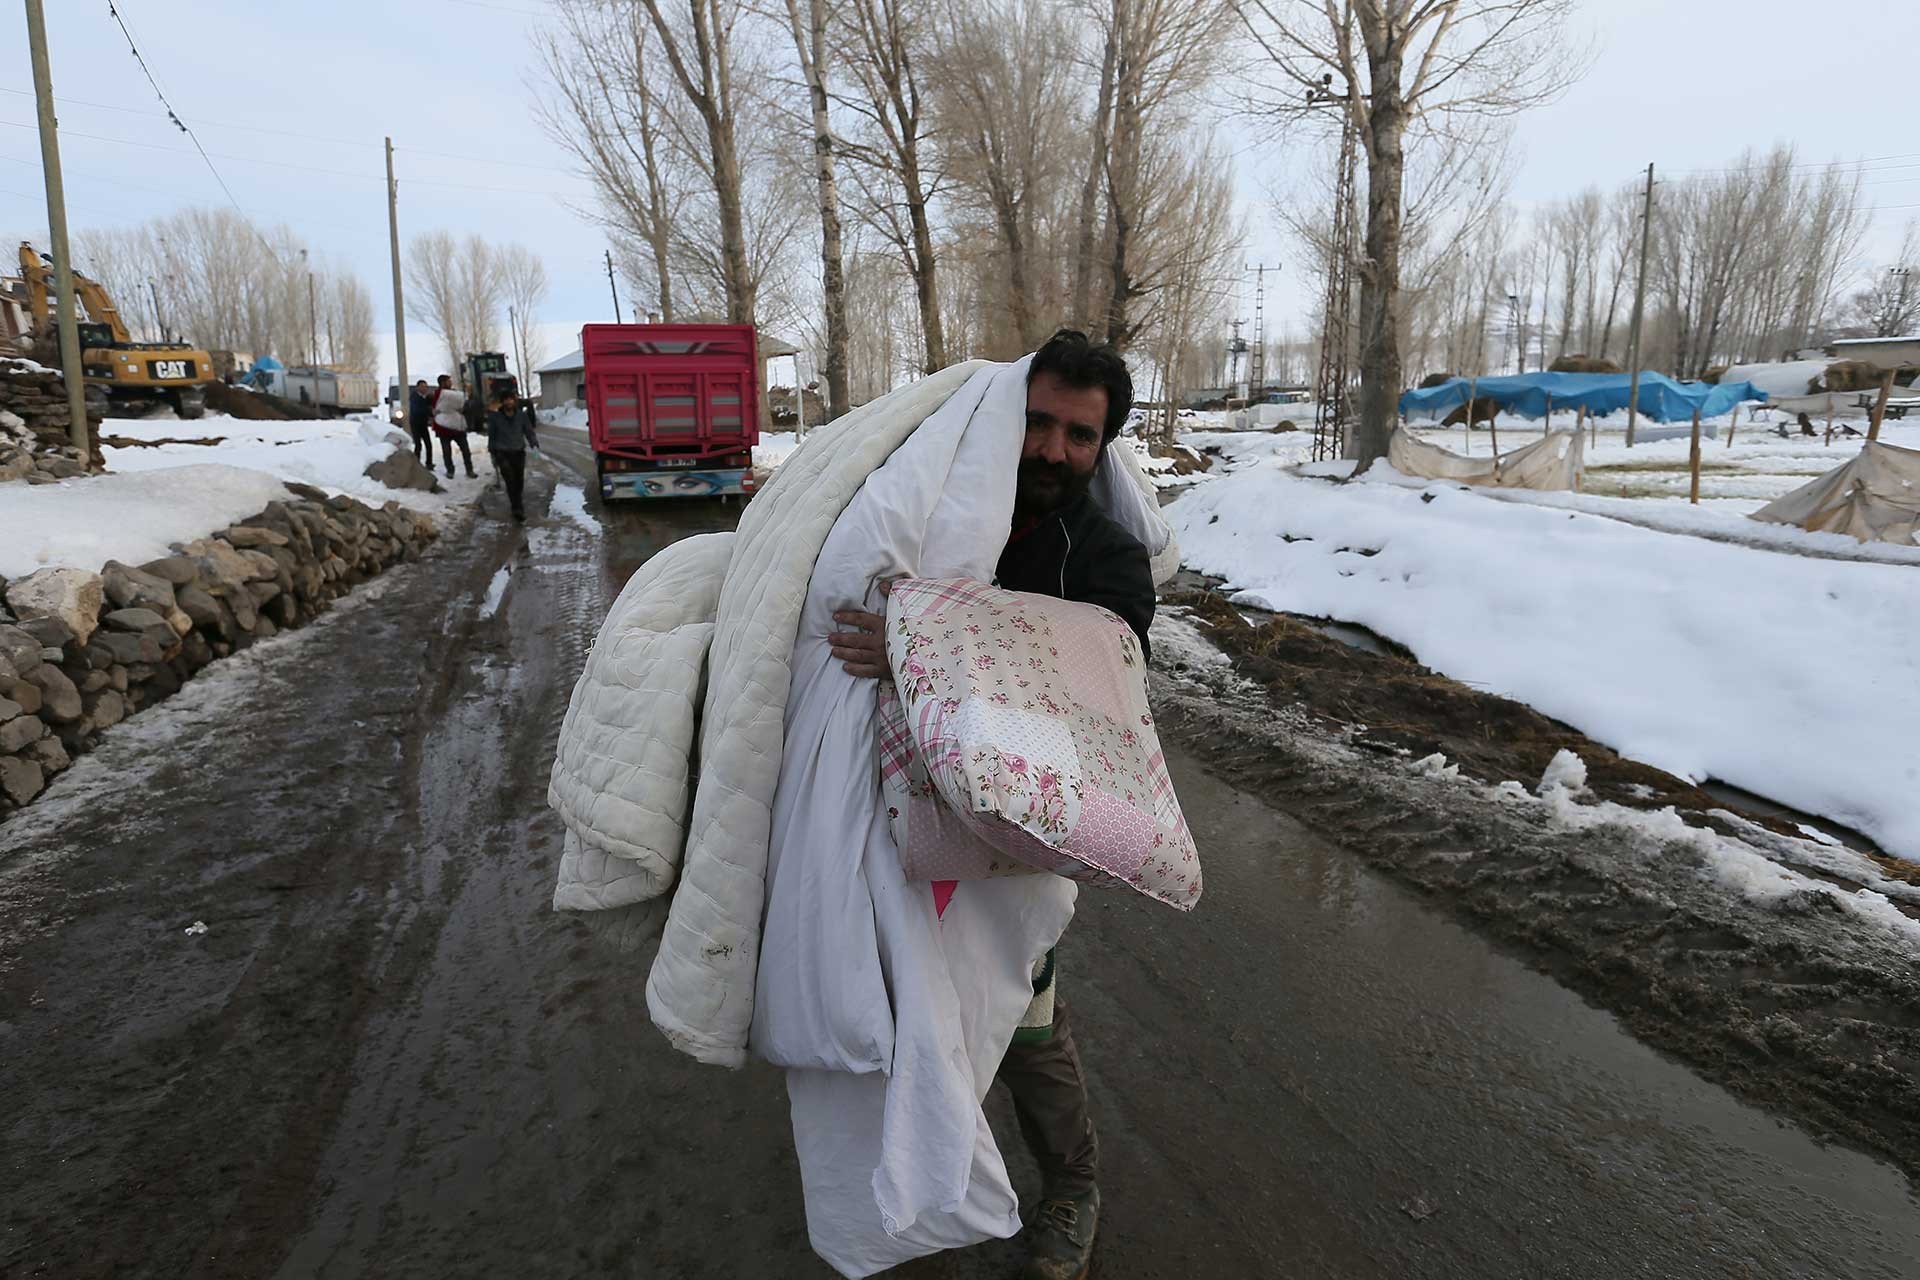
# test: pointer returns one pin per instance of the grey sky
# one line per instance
(1686, 84)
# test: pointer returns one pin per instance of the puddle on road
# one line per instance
(496, 590)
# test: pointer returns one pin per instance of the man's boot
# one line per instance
(1060, 1238)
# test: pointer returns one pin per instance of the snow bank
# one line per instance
(1792, 677)
(331, 454)
(773, 449)
(133, 517)
(156, 495)
(571, 416)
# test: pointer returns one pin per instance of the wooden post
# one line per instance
(1693, 462)
(399, 301)
(1639, 306)
(1473, 388)
(1546, 423)
(1493, 430)
(66, 318)
(1731, 424)
(1829, 439)
(1880, 405)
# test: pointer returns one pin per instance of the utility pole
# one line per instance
(1639, 310)
(153, 291)
(399, 304)
(615, 287)
(513, 331)
(313, 321)
(70, 368)
(1257, 379)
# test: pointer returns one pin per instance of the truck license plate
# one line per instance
(172, 368)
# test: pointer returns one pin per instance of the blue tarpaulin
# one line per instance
(1530, 395)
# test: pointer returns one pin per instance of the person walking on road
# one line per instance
(1063, 545)
(510, 435)
(420, 421)
(450, 424)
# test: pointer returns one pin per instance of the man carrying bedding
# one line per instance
(1062, 544)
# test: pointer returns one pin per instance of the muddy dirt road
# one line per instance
(387, 1057)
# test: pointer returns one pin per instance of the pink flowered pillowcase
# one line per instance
(1020, 738)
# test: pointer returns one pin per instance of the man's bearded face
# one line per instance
(1065, 429)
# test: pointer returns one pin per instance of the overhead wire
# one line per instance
(113, 10)
(304, 137)
(277, 164)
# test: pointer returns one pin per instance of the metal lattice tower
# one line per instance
(1333, 387)
(1257, 378)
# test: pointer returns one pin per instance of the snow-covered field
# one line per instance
(1793, 677)
(155, 495)
(331, 453)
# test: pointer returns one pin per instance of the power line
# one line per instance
(276, 164)
(118, 183)
(114, 11)
(304, 137)
(1811, 164)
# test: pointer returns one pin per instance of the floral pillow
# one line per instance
(1017, 737)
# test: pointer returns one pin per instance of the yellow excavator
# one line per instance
(133, 377)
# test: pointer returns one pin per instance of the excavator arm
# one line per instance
(92, 297)
(34, 272)
(100, 308)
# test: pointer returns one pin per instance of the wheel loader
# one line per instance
(132, 377)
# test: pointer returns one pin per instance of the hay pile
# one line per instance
(1583, 364)
(1847, 375)
(1484, 407)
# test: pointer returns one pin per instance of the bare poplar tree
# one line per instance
(523, 281)
(811, 49)
(699, 49)
(347, 312)
(455, 288)
(604, 62)
(1004, 106)
(1163, 50)
(882, 43)
(1396, 65)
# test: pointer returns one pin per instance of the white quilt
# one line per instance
(891, 1020)
(641, 851)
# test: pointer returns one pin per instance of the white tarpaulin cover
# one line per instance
(1875, 498)
(1554, 462)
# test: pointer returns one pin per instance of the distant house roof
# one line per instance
(1885, 352)
(565, 364)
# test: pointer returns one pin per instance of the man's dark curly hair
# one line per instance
(1082, 363)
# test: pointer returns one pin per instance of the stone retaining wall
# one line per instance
(81, 651)
(34, 421)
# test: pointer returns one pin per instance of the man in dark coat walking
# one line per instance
(420, 421)
(510, 433)
(1063, 545)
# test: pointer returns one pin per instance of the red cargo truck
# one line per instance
(673, 410)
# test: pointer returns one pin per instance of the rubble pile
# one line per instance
(80, 651)
(34, 422)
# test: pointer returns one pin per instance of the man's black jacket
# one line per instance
(1078, 553)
